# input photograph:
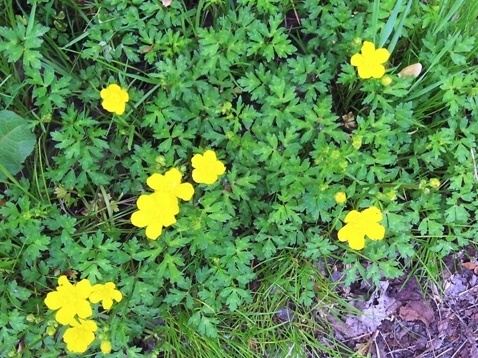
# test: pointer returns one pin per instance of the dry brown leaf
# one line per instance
(417, 311)
(469, 265)
(147, 48)
(412, 70)
(166, 2)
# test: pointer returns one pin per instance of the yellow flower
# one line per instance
(207, 167)
(370, 61)
(114, 99)
(171, 183)
(80, 335)
(105, 347)
(155, 211)
(359, 224)
(340, 197)
(70, 300)
(106, 294)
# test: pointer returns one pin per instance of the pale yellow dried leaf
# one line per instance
(411, 70)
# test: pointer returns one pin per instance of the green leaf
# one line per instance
(16, 142)
(204, 325)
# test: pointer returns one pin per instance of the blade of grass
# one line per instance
(446, 14)
(388, 28)
(16, 183)
(398, 32)
(375, 12)
(446, 49)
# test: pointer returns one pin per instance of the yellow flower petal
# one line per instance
(53, 300)
(154, 230)
(353, 234)
(372, 214)
(377, 71)
(63, 281)
(381, 55)
(80, 336)
(141, 219)
(171, 182)
(146, 202)
(66, 314)
(357, 242)
(368, 49)
(375, 231)
(365, 72)
(356, 60)
(83, 288)
(352, 216)
(185, 191)
(83, 309)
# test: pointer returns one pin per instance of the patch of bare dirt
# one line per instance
(399, 320)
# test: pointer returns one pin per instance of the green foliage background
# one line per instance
(265, 84)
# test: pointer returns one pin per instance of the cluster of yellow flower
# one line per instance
(158, 210)
(73, 306)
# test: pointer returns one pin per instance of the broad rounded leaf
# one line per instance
(16, 142)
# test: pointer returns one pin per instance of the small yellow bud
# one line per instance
(357, 41)
(391, 195)
(50, 330)
(357, 142)
(434, 183)
(30, 318)
(105, 347)
(335, 155)
(340, 197)
(161, 160)
(422, 184)
(386, 80)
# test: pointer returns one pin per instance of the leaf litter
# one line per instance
(402, 319)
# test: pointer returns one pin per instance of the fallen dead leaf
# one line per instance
(379, 307)
(147, 48)
(469, 265)
(417, 311)
(411, 71)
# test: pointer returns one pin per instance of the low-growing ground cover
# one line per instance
(222, 178)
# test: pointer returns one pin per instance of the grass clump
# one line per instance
(251, 265)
